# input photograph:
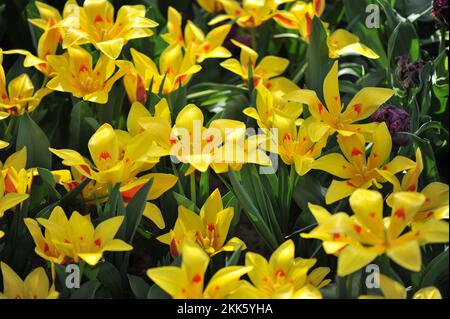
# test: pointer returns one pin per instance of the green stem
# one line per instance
(254, 43)
(193, 189)
(175, 172)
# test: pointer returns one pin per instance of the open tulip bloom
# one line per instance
(224, 149)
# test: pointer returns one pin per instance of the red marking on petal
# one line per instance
(350, 184)
(308, 24)
(429, 214)
(98, 18)
(317, 5)
(287, 137)
(85, 168)
(211, 227)
(81, 238)
(285, 20)
(385, 168)
(173, 248)
(105, 155)
(197, 278)
(173, 140)
(280, 273)
(357, 108)
(4, 96)
(9, 185)
(411, 188)
(356, 152)
(83, 68)
(268, 85)
(98, 242)
(400, 213)
(237, 12)
(344, 167)
(129, 194)
(51, 22)
(357, 228)
(335, 98)
(320, 107)
(141, 93)
(336, 236)
(209, 139)
(46, 248)
(372, 215)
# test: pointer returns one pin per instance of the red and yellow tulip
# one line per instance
(35, 286)
(331, 117)
(283, 276)
(75, 238)
(359, 239)
(94, 23)
(188, 281)
(209, 229)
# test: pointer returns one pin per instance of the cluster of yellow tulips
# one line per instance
(83, 51)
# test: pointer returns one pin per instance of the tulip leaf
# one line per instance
(109, 276)
(79, 130)
(317, 55)
(86, 290)
(433, 271)
(32, 137)
(138, 286)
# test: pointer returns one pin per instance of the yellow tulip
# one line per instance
(188, 281)
(50, 22)
(294, 145)
(94, 23)
(269, 67)
(332, 118)
(206, 47)
(341, 42)
(175, 70)
(15, 182)
(222, 145)
(392, 289)
(35, 286)
(75, 238)
(353, 168)
(283, 276)
(74, 73)
(209, 229)
(19, 96)
(270, 101)
(251, 14)
(359, 239)
(300, 16)
(212, 6)
(436, 193)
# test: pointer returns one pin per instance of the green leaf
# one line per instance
(139, 287)
(86, 290)
(438, 266)
(317, 56)
(109, 276)
(79, 130)
(34, 139)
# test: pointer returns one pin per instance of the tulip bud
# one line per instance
(440, 11)
(408, 73)
(397, 120)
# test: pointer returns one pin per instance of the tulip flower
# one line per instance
(75, 74)
(206, 47)
(94, 23)
(221, 145)
(19, 96)
(436, 193)
(209, 229)
(392, 289)
(366, 235)
(175, 70)
(50, 22)
(295, 145)
(251, 14)
(341, 42)
(353, 168)
(270, 101)
(283, 276)
(269, 67)
(212, 6)
(300, 16)
(331, 117)
(188, 281)
(75, 238)
(35, 286)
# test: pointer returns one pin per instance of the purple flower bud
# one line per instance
(440, 11)
(408, 73)
(397, 120)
